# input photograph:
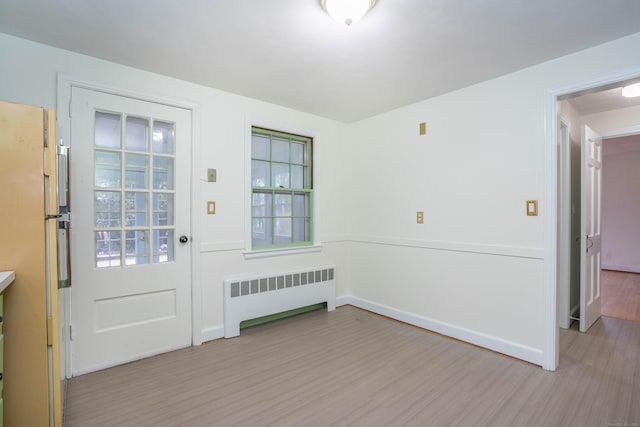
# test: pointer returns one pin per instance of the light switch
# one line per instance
(211, 208)
(423, 128)
(211, 175)
(532, 208)
(420, 217)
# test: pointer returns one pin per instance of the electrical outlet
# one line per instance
(420, 217)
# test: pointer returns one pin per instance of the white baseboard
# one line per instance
(625, 268)
(496, 344)
(212, 333)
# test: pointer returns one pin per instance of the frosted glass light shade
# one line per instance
(347, 11)
(631, 91)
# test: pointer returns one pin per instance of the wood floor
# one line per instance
(621, 295)
(354, 368)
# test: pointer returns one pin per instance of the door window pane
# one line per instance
(107, 248)
(162, 209)
(163, 138)
(107, 169)
(136, 247)
(163, 246)
(136, 170)
(107, 209)
(136, 209)
(136, 134)
(162, 173)
(107, 130)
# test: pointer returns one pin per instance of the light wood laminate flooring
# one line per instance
(354, 368)
(621, 295)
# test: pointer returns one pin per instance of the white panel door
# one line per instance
(591, 241)
(130, 208)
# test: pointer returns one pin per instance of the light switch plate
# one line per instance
(420, 217)
(211, 175)
(532, 208)
(423, 128)
(211, 208)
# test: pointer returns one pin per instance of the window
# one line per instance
(281, 190)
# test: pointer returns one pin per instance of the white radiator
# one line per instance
(250, 297)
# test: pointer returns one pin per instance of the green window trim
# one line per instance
(282, 202)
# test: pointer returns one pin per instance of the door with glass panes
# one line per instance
(130, 208)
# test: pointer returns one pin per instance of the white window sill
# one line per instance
(279, 252)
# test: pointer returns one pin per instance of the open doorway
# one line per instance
(617, 119)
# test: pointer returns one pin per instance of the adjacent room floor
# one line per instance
(621, 295)
(351, 367)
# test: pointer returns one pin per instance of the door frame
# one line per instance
(65, 84)
(551, 336)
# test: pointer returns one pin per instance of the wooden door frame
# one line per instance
(65, 84)
(551, 337)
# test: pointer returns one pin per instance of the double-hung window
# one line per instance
(281, 190)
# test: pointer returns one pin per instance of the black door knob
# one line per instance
(183, 239)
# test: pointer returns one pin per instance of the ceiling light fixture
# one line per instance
(631, 91)
(347, 11)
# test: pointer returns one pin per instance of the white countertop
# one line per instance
(6, 278)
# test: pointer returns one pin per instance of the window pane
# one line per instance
(301, 204)
(136, 170)
(107, 169)
(107, 132)
(107, 209)
(297, 153)
(107, 248)
(163, 209)
(136, 134)
(282, 205)
(280, 175)
(163, 138)
(282, 231)
(163, 246)
(260, 174)
(262, 204)
(135, 209)
(260, 147)
(261, 231)
(163, 173)
(136, 247)
(301, 230)
(297, 177)
(279, 150)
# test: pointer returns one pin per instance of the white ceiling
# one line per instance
(603, 100)
(290, 53)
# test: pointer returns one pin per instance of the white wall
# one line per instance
(476, 266)
(28, 75)
(474, 269)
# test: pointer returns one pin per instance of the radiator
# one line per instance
(250, 297)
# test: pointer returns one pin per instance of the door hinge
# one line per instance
(70, 333)
(70, 109)
(50, 331)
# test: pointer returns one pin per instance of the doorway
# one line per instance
(598, 107)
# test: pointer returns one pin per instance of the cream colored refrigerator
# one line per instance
(31, 394)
